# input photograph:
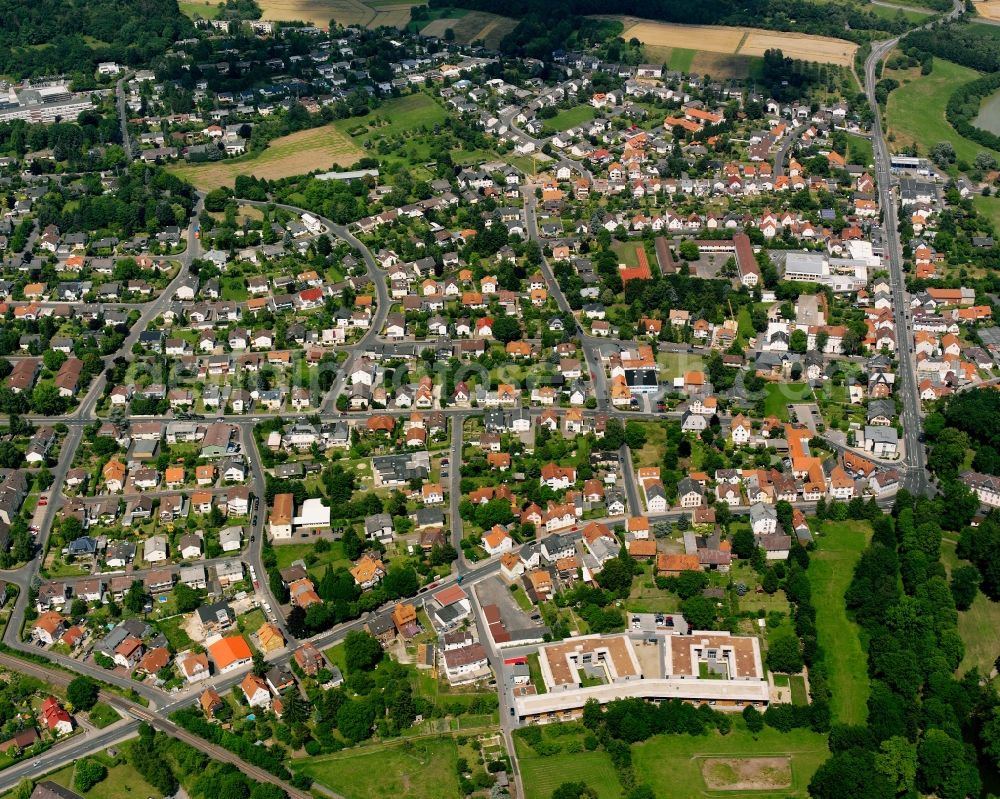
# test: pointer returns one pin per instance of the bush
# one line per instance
(88, 773)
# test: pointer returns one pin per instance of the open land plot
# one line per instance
(780, 395)
(915, 112)
(742, 41)
(830, 571)
(725, 65)
(746, 773)
(979, 626)
(201, 8)
(421, 769)
(318, 12)
(909, 14)
(802, 750)
(391, 15)
(859, 150)
(571, 117)
(483, 26)
(397, 116)
(824, 49)
(295, 154)
(122, 782)
(989, 9)
(542, 775)
(988, 207)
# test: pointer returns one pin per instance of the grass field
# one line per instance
(988, 207)
(625, 250)
(681, 59)
(122, 782)
(779, 395)
(979, 626)
(295, 154)
(397, 116)
(893, 13)
(859, 149)
(203, 9)
(571, 117)
(542, 775)
(422, 769)
(102, 715)
(738, 41)
(684, 778)
(830, 573)
(915, 113)
(287, 554)
(651, 453)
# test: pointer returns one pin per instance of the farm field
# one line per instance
(908, 14)
(472, 26)
(296, 154)
(542, 775)
(989, 9)
(371, 14)
(737, 41)
(915, 112)
(422, 769)
(830, 571)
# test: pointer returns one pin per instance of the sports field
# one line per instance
(296, 154)
(738, 41)
(770, 765)
(830, 572)
(915, 113)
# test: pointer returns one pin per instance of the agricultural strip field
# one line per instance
(295, 154)
(738, 41)
(989, 9)
(915, 113)
(473, 26)
(371, 14)
(830, 572)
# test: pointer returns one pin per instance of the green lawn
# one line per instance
(287, 554)
(252, 621)
(681, 59)
(979, 626)
(916, 110)
(173, 629)
(542, 775)
(859, 149)
(122, 782)
(780, 395)
(626, 252)
(893, 13)
(421, 769)
(399, 115)
(522, 599)
(830, 573)
(234, 288)
(571, 117)
(102, 715)
(675, 364)
(203, 9)
(671, 764)
(798, 685)
(988, 207)
(651, 453)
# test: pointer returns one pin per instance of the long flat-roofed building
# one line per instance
(717, 668)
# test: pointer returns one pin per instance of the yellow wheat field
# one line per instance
(741, 41)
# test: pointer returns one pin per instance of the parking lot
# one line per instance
(657, 622)
(496, 592)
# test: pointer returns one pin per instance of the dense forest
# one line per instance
(971, 45)
(46, 37)
(923, 723)
(556, 24)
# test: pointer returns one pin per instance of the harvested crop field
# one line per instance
(371, 14)
(737, 41)
(474, 26)
(801, 45)
(746, 774)
(990, 9)
(296, 154)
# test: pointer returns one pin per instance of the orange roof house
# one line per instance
(229, 653)
(675, 564)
